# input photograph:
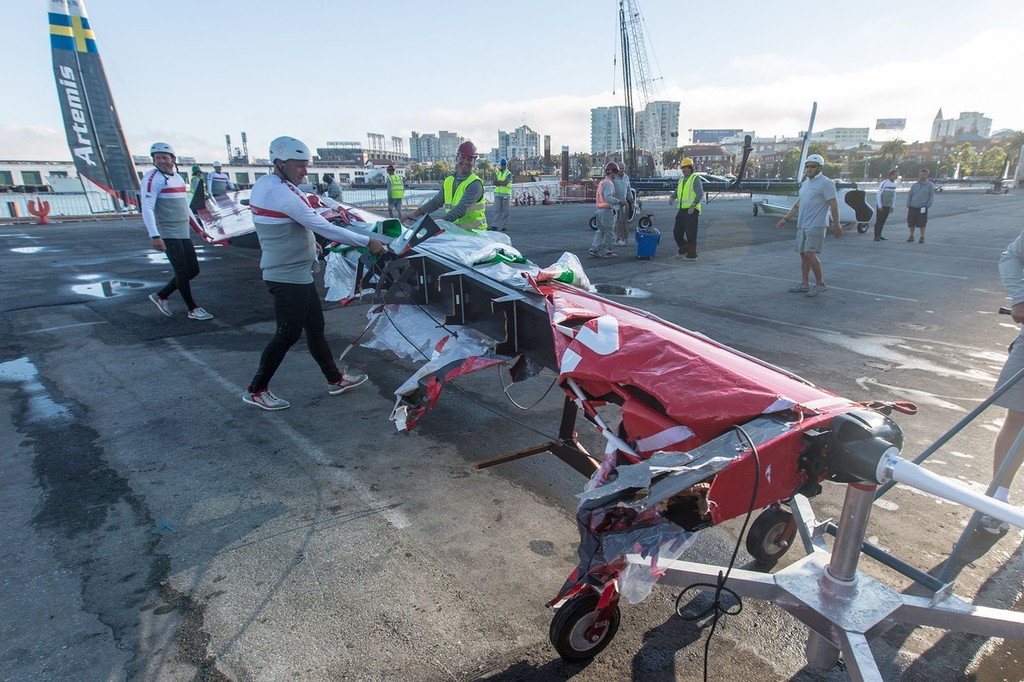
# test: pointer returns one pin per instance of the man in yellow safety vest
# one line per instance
(396, 190)
(461, 195)
(688, 195)
(502, 195)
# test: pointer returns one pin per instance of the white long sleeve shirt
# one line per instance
(285, 223)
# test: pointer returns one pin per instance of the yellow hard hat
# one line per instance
(687, 161)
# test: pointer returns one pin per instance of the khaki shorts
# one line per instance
(1013, 399)
(810, 239)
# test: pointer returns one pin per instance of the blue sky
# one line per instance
(190, 71)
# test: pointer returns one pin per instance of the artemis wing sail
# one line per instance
(94, 132)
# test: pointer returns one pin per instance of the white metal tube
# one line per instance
(911, 474)
(609, 435)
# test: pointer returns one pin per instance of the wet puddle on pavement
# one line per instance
(107, 289)
(616, 290)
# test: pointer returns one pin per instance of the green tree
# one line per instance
(965, 158)
(892, 152)
(788, 165)
(1012, 148)
(992, 162)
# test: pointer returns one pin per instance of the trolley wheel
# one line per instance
(771, 535)
(862, 228)
(572, 629)
(645, 221)
(593, 223)
(755, 210)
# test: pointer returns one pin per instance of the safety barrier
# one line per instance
(68, 204)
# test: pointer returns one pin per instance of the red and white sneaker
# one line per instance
(347, 381)
(265, 400)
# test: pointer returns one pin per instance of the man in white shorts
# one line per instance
(817, 201)
(1011, 271)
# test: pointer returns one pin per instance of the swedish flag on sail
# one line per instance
(71, 33)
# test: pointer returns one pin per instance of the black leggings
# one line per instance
(880, 215)
(296, 309)
(182, 255)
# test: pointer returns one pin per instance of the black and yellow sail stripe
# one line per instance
(71, 33)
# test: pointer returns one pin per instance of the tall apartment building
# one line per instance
(607, 129)
(430, 148)
(665, 133)
(521, 143)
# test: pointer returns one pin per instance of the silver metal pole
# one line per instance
(852, 526)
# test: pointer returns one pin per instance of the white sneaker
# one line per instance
(816, 289)
(265, 400)
(199, 314)
(161, 303)
(348, 380)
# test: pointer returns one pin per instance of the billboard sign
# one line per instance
(890, 123)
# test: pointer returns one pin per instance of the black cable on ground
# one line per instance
(716, 610)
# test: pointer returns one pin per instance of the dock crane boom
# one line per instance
(635, 67)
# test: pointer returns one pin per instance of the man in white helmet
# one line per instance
(217, 181)
(817, 201)
(285, 223)
(166, 215)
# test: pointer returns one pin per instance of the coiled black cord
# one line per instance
(716, 610)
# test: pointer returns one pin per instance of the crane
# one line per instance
(635, 67)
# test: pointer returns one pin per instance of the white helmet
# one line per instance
(815, 158)
(217, 164)
(162, 147)
(285, 148)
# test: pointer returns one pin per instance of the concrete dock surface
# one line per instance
(155, 527)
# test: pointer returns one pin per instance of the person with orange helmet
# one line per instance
(461, 195)
(606, 200)
(396, 190)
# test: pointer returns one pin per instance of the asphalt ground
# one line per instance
(156, 527)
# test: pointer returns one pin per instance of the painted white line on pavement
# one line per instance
(66, 326)
(393, 516)
(902, 271)
(831, 287)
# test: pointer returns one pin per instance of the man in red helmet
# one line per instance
(461, 195)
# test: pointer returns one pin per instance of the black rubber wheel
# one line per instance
(755, 210)
(593, 223)
(862, 228)
(569, 628)
(645, 221)
(771, 535)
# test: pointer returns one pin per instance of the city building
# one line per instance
(969, 123)
(521, 143)
(663, 116)
(843, 138)
(710, 158)
(608, 129)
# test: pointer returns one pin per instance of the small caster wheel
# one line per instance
(771, 535)
(593, 223)
(577, 634)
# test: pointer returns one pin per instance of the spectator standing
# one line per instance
(396, 190)
(885, 199)
(333, 189)
(623, 193)
(197, 188)
(817, 201)
(1011, 271)
(605, 200)
(217, 181)
(688, 195)
(285, 223)
(166, 215)
(461, 195)
(502, 195)
(919, 202)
